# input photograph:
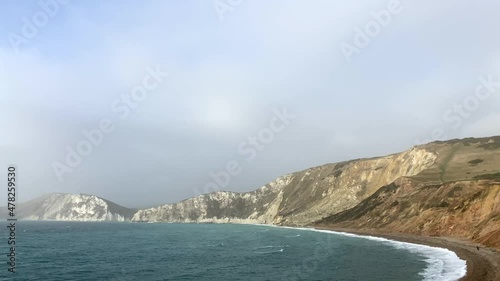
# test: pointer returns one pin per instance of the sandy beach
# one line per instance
(482, 264)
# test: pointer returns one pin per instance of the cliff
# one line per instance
(446, 188)
(258, 206)
(299, 198)
(449, 188)
(72, 207)
(465, 209)
(459, 196)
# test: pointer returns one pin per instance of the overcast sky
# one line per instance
(230, 69)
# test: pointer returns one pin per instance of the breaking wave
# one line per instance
(442, 264)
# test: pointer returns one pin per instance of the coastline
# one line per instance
(482, 264)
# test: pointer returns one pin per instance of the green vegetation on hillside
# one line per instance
(495, 176)
(475, 162)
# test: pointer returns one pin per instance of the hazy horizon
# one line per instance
(164, 98)
(241, 191)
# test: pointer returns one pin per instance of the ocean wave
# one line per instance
(270, 247)
(271, 252)
(442, 264)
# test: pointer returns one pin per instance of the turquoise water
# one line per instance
(140, 251)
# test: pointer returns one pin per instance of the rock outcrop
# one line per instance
(72, 207)
(449, 188)
(465, 209)
(259, 206)
(459, 196)
(299, 198)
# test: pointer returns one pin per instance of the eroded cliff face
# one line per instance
(447, 188)
(299, 198)
(459, 195)
(329, 189)
(73, 207)
(466, 209)
(258, 206)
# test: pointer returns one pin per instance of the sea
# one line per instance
(167, 251)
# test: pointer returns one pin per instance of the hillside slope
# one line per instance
(446, 188)
(299, 198)
(442, 188)
(71, 207)
(465, 209)
(459, 196)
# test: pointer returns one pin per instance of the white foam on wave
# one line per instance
(268, 247)
(442, 264)
(271, 252)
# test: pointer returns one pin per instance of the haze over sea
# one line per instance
(142, 251)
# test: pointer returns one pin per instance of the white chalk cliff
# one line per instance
(299, 198)
(72, 207)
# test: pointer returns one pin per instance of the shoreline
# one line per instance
(482, 264)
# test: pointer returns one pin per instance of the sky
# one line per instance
(186, 97)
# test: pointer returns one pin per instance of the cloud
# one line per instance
(484, 127)
(226, 78)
